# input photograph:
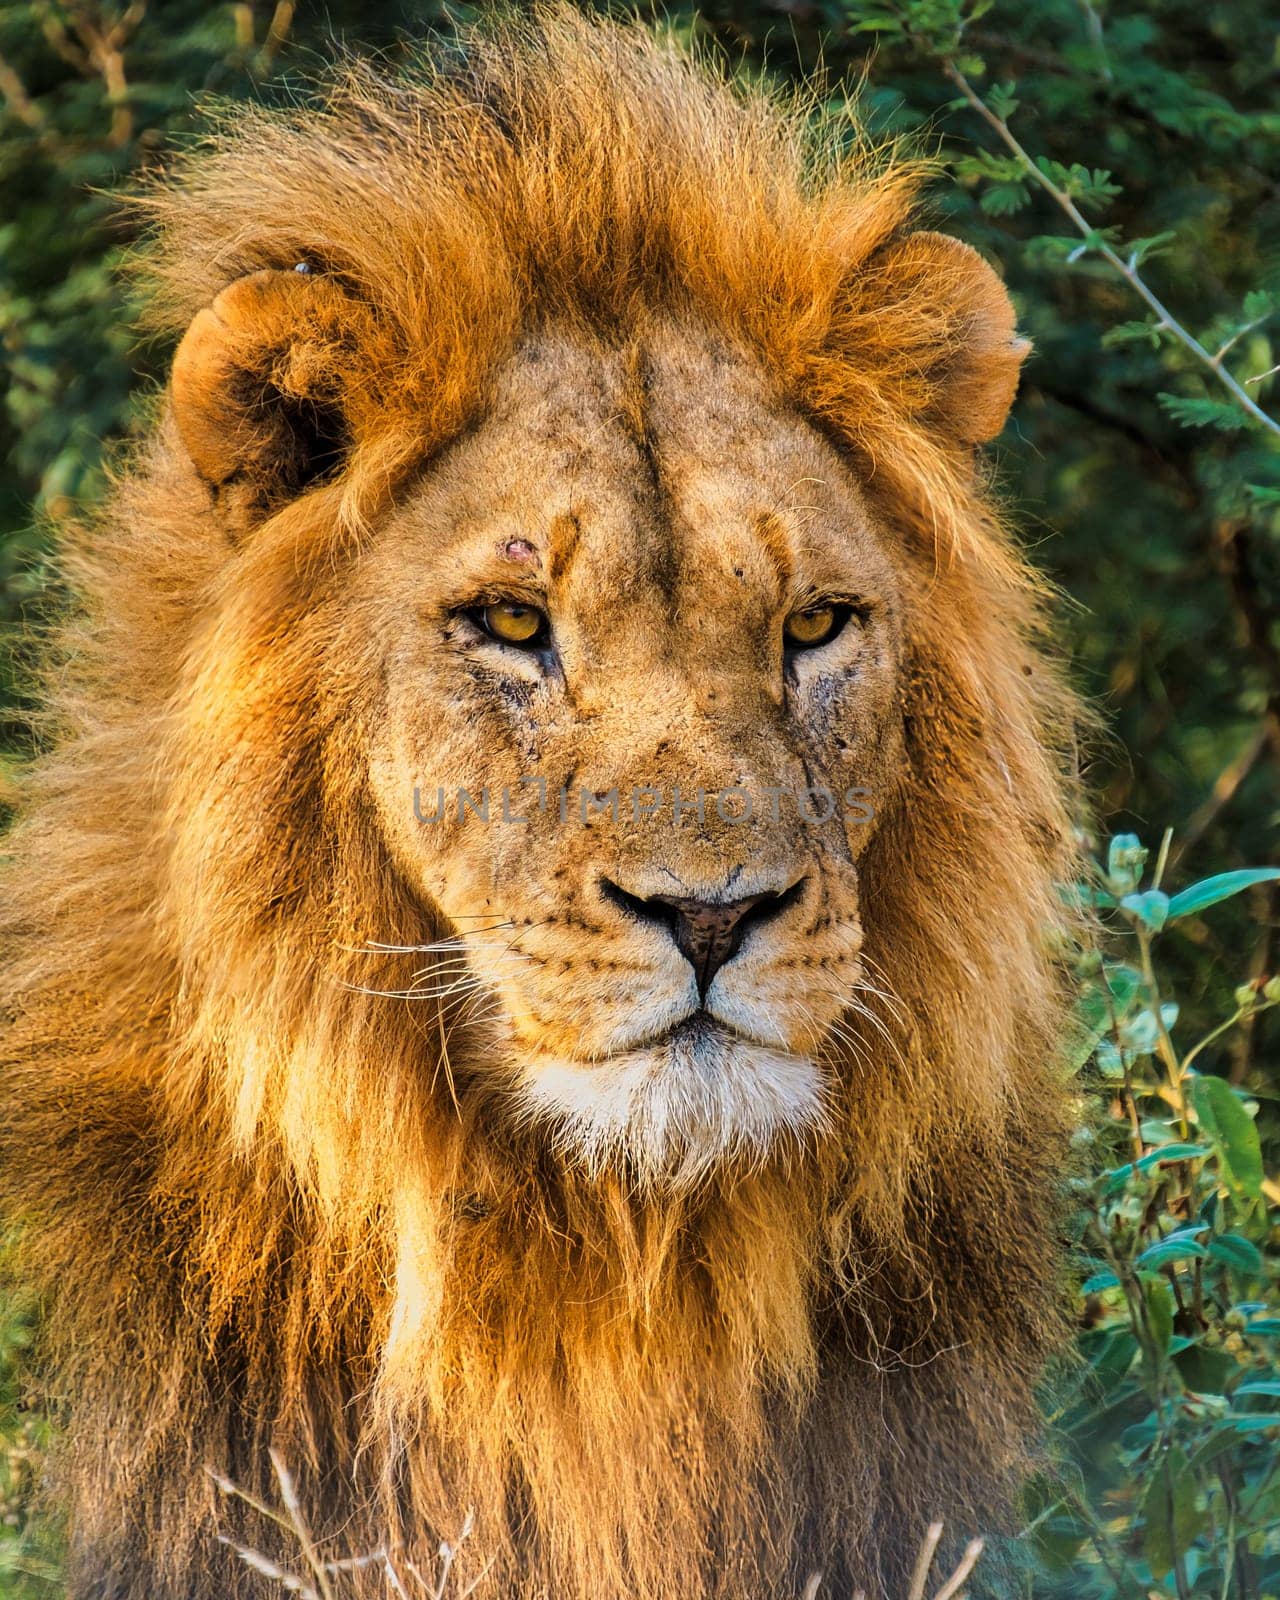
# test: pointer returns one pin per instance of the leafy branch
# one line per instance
(1179, 1297)
(1126, 266)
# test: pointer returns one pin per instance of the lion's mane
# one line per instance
(257, 1209)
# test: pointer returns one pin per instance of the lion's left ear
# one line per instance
(979, 351)
(261, 390)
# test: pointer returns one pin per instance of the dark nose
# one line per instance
(707, 932)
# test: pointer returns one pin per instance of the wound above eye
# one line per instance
(517, 550)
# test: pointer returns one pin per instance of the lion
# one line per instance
(532, 947)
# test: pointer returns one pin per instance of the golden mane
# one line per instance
(243, 1184)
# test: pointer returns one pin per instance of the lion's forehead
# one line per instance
(658, 469)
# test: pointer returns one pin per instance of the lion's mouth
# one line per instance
(703, 1028)
(699, 1031)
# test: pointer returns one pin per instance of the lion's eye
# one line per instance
(805, 630)
(512, 623)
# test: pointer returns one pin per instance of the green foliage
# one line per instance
(28, 1569)
(1165, 1431)
(92, 95)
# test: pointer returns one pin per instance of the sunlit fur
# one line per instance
(254, 1208)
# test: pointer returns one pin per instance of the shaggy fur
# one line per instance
(268, 1206)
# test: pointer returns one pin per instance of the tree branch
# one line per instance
(1127, 269)
(16, 97)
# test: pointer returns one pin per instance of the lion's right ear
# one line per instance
(969, 348)
(258, 390)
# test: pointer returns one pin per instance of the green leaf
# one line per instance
(1151, 908)
(1206, 1371)
(1226, 1436)
(1193, 413)
(1058, 1541)
(1160, 1313)
(1100, 1002)
(1229, 1127)
(1166, 1156)
(1169, 1153)
(1126, 857)
(1082, 896)
(1111, 1063)
(1004, 199)
(1123, 984)
(1172, 1519)
(1209, 891)
(1141, 250)
(1250, 1422)
(1132, 333)
(1084, 185)
(1140, 1033)
(1111, 1354)
(1166, 1251)
(1237, 1252)
(1137, 1439)
(1267, 1386)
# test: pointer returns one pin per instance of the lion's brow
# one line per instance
(563, 541)
(773, 539)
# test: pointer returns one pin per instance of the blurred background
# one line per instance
(1082, 145)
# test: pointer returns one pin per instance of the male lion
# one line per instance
(669, 1185)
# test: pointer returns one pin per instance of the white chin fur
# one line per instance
(671, 1113)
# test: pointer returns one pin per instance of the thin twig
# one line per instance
(277, 33)
(924, 1561)
(16, 97)
(1097, 38)
(1225, 786)
(233, 1489)
(96, 48)
(1127, 269)
(968, 1561)
(257, 1562)
(298, 1520)
(1236, 560)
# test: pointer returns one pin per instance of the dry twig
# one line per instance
(950, 1588)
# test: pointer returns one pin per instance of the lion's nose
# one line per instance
(707, 932)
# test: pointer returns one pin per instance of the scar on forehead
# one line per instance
(517, 550)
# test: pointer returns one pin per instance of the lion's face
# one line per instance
(640, 583)
(639, 593)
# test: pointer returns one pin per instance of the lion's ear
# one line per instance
(979, 351)
(258, 389)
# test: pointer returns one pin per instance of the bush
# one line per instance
(1167, 1474)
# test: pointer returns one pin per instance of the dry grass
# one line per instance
(950, 1588)
(319, 1575)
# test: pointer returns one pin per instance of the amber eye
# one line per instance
(805, 630)
(512, 623)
